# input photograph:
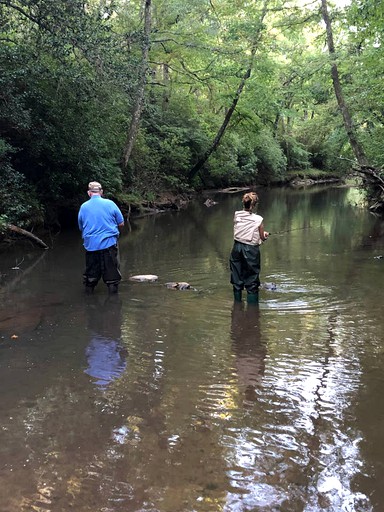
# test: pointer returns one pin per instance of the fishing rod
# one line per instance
(286, 231)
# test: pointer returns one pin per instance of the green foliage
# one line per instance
(324, 138)
(56, 108)
(69, 76)
(234, 164)
(222, 167)
(18, 202)
(271, 161)
(373, 143)
(57, 119)
(3, 223)
(313, 174)
(168, 142)
(297, 156)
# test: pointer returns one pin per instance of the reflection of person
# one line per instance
(106, 356)
(244, 261)
(99, 222)
(248, 348)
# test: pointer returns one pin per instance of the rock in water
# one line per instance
(268, 286)
(178, 286)
(142, 278)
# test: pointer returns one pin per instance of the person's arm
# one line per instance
(263, 234)
(119, 217)
(80, 221)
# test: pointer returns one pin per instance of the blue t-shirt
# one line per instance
(98, 222)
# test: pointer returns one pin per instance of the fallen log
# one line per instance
(28, 234)
(233, 190)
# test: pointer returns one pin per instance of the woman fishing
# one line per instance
(248, 234)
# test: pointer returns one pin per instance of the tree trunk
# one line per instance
(220, 133)
(348, 123)
(166, 86)
(216, 141)
(139, 103)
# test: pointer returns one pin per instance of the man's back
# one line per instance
(99, 219)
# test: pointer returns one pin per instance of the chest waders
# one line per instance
(244, 263)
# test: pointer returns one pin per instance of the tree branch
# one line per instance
(27, 234)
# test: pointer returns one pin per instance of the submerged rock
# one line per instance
(210, 202)
(268, 286)
(179, 286)
(149, 278)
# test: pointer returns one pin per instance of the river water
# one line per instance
(171, 401)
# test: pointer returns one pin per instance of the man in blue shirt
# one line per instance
(99, 222)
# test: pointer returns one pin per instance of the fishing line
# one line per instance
(287, 231)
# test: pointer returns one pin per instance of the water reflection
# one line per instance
(274, 408)
(106, 356)
(248, 348)
(375, 236)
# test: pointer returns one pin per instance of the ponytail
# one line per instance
(249, 200)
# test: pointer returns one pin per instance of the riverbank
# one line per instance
(309, 177)
(176, 201)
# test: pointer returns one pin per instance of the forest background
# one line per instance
(154, 96)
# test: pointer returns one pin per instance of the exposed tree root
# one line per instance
(373, 181)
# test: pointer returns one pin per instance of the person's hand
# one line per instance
(266, 235)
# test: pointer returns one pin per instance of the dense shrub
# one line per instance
(297, 156)
(18, 202)
(271, 161)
